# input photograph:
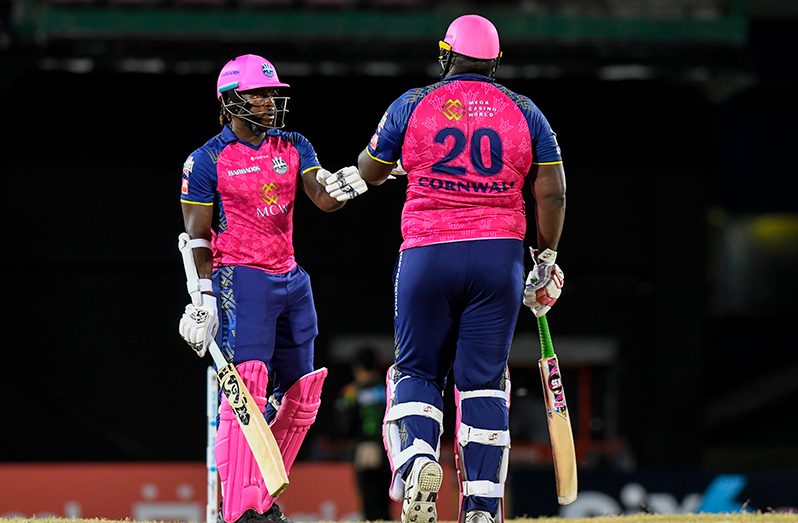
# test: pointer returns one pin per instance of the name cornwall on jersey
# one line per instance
(449, 185)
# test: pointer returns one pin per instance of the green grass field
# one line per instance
(641, 518)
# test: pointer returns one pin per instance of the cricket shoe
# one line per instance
(421, 492)
(273, 515)
(479, 516)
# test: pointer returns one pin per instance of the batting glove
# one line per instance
(398, 169)
(344, 184)
(199, 324)
(544, 283)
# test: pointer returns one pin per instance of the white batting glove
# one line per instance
(344, 184)
(321, 176)
(544, 283)
(199, 324)
(398, 170)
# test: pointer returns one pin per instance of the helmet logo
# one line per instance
(267, 69)
(279, 165)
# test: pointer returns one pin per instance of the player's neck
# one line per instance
(456, 70)
(244, 133)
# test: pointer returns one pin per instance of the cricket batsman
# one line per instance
(467, 145)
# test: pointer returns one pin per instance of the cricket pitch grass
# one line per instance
(748, 517)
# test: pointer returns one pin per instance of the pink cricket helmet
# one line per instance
(473, 36)
(247, 72)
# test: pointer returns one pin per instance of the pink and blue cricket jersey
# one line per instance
(465, 183)
(255, 189)
(266, 309)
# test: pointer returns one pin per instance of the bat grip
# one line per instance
(546, 346)
(216, 354)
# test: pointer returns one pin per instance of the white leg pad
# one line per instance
(466, 434)
(392, 436)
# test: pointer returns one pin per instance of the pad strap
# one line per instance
(485, 393)
(486, 489)
(414, 408)
(419, 446)
(467, 434)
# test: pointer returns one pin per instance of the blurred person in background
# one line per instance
(467, 146)
(359, 411)
(238, 194)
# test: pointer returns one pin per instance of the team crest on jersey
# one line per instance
(188, 166)
(267, 69)
(279, 165)
(453, 109)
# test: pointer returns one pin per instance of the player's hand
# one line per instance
(199, 324)
(344, 184)
(544, 283)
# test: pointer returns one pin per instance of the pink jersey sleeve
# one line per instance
(467, 150)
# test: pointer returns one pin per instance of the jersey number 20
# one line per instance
(496, 161)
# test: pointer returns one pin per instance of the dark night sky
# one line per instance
(94, 284)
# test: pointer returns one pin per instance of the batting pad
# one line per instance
(409, 412)
(242, 483)
(478, 429)
(296, 414)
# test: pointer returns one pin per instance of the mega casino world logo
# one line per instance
(453, 109)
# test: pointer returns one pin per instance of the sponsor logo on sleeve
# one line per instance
(188, 166)
(184, 186)
(375, 139)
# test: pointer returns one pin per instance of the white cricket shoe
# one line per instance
(479, 516)
(421, 491)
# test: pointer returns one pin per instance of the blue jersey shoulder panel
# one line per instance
(386, 144)
(199, 170)
(308, 159)
(544, 139)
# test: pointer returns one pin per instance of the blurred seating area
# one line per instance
(700, 9)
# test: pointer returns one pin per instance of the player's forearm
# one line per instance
(324, 201)
(549, 190)
(373, 172)
(549, 216)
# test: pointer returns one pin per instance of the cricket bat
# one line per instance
(558, 417)
(256, 431)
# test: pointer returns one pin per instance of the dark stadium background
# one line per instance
(680, 239)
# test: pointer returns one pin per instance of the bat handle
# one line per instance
(546, 345)
(216, 354)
